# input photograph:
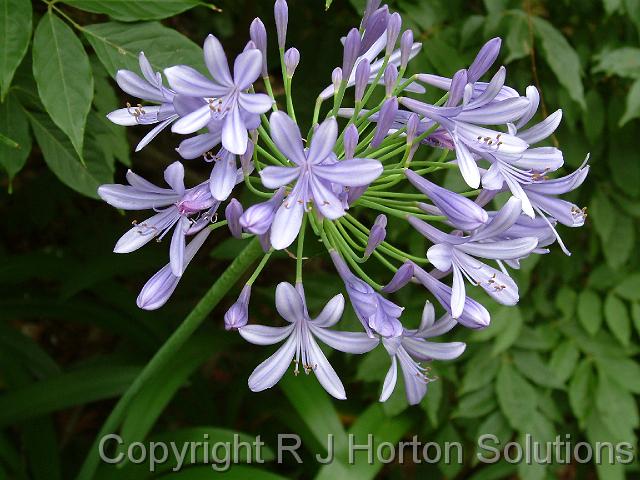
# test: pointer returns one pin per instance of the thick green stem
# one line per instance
(166, 353)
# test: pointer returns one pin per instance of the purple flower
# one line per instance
(385, 120)
(223, 99)
(150, 89)
(291, 61)
(159, 288)
(232, 214)
(300, 341)
(377, 234)
(238, 314)
(351, 137)
(518, 171)
(189, 210)
(257, 219)
(461, 212)
(376, 313)
(281, 14)
(258, 35)
(458, 255)
(474, 315)
(411, 348)
(351, 49)
(400, 278)
(313, 171)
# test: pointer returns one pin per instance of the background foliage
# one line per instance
(72, 340)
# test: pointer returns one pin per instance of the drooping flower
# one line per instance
(238, 314)
(411, 348)
(300, 341)
(224, 99)
(313, 171)
(188, 210)
(459, 255)
(159, 288)
(376, 313)
(150, 89)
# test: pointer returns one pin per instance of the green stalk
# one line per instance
(166, 354)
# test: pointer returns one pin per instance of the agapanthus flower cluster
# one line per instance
(373, 151)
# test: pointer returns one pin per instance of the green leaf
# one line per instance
(617, 316)
(128, 11)
(617, 407)
(14, 124)
(237, 472)
(621, 242)
(633, 12)
(590, 311)
(563, 360)
(156, 394)
(562, 59)
(604, 215)
(612, 6)
(623, 62)
(510, 334)
(61, 159)
(118, 45)
(633, 104)
(69, 389)
(516, 396)
(594, 125)
(635, 315)
(597, 432)
(312, 403)
(518, 41)
(624, 371)
(15, 33)
(581, 390)
(541, 431)
(63, 75)
(531, 366)
(479, 371)
(629, 288)
(476, 404)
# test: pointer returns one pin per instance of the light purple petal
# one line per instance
(255, 102)
(331, 312)
(325, 373)
(269, 372)
(458, 295)
(143, 233)
(131, 198)
(223, 177)
(289, 303)
(506, 217)
(246, 68)
(348, 342)
(189, 82)
(286, 135)
(275, 177)
(323, 141)
(423, 350)
(197, 146)
(153, 133)
(132, 84)
(501, 249)
(264, 335)
(325, 200)
(192, 122)
(123, 117)
(287, 221)
(390, 380)
(174, 176)
(353, 173)
(177, 247)
(468, 166)
(440, 256)
(216, 61)
(234, 132)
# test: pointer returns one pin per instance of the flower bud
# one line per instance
(393, 30)
(355, 193)
(258, 34)
(336, 78)
(238, 315)
(390, 78)
(363, 72)
(351, 137)
(412, 127)
(406, 42)
(257, 219)
(281, 14)
(376, 235)
(400, 279)
(232, 214)
(485, 58)
(372, 6)
(385, 120)
(249, 46)
(291, 61)
(351, 50)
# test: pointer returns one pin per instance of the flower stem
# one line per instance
(300, 249)
(169, 350)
